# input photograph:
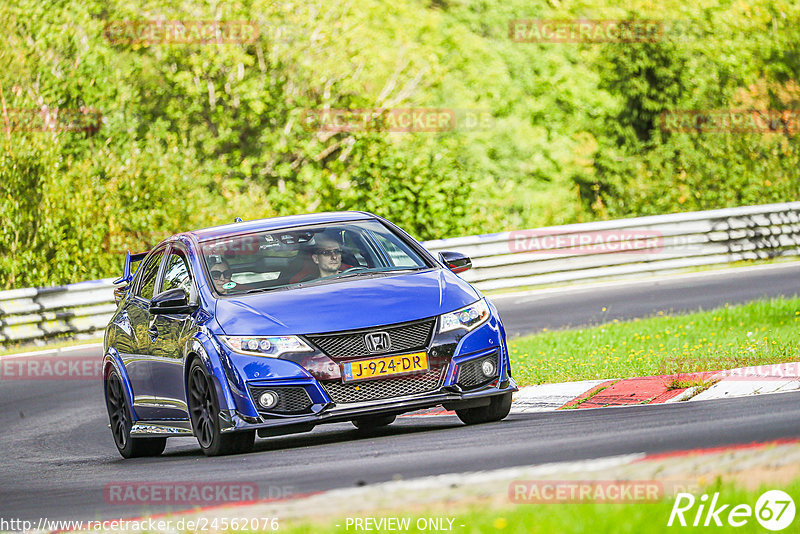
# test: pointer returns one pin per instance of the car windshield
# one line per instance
(304, 256)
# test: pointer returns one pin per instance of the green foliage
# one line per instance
(21, 195)
(643, 168)
(196, 134)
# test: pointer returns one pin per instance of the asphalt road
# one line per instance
(57, 456)
(599, 303)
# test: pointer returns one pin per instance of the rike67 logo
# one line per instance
(774, 510)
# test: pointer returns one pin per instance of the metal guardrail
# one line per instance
(44, 313)
(524, 258)
(628, 247)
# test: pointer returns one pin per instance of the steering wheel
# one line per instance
(352, 269)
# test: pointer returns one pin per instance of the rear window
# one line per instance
(308, 255)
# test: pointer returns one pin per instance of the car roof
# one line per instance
(276, 223)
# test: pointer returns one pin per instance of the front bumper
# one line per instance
(318, 376)
(232, 421)
(345, 412)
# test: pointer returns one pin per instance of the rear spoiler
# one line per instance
(127, 276)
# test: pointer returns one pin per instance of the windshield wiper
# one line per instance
(380, 272)
(267, 289)
(400, 269)
(353, 275)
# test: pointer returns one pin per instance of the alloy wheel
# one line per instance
(118, 411)
(203, 411)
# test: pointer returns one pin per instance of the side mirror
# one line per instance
(170, 302)
(455, 261)
(127, 275)
(120, 292)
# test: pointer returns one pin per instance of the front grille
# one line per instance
(292, 400)
(403, 337)
(470, 373)
(384, 388)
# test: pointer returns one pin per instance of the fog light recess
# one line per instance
(488, 368)
(268, 399)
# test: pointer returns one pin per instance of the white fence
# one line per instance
(625, 247)
(524, 258)
(43, 313)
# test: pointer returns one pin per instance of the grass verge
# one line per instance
(566, 518)
(757, 333)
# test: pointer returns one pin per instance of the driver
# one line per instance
(327, 256)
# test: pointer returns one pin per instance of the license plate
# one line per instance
(386, 366)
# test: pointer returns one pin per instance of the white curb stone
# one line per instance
(729, 388)
(548, 397)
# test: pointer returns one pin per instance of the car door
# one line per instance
(137, 362)
(169, 334)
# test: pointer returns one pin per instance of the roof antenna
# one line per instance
(238, 219)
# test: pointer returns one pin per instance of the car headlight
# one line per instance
(467, 318)
(271, 347)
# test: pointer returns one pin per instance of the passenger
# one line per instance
(221, 276)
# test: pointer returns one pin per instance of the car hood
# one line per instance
(347, 305)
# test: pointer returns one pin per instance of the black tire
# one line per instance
(498, 409)
(204, 414)
(374, 421)
(119, 416)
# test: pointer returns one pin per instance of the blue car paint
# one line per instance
(382, 300)
(112, 360)
(348, 305)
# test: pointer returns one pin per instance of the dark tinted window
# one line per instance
(303, 255)
(177, 275)
(149, 273)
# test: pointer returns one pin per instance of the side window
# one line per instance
(149, 276)
(177, 274)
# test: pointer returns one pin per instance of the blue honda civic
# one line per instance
(274, 326)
